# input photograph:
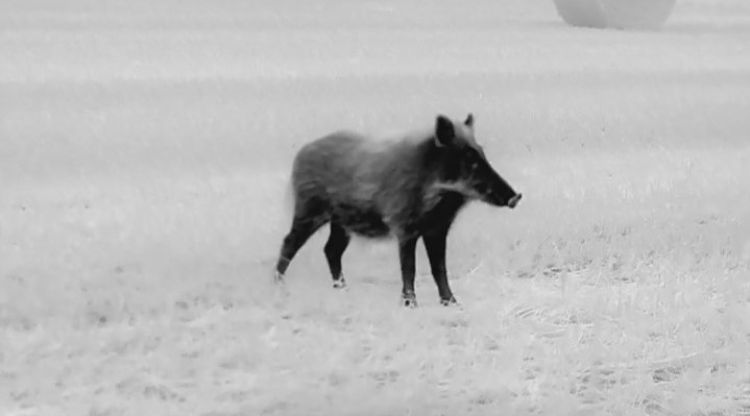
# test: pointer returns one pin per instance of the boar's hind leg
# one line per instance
(334, 249)
(435, 245)
(302, 229)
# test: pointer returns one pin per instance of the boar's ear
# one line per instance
(469, 120)
(445, 133)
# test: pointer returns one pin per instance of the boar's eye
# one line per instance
(473, 157)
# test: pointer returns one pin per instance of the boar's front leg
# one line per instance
(407, 249)
(435, 245)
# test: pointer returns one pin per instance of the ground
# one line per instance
(145, 149)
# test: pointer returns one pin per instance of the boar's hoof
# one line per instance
(410, 301)
(448, 302)
(339, 283)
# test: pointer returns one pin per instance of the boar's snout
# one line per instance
(513, 201)
(502, 194)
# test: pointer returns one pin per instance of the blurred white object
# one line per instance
(617, 14)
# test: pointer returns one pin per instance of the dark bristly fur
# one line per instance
(409, 188)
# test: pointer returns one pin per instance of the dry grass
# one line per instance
(142, 209)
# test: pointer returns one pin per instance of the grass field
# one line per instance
(145, 149)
